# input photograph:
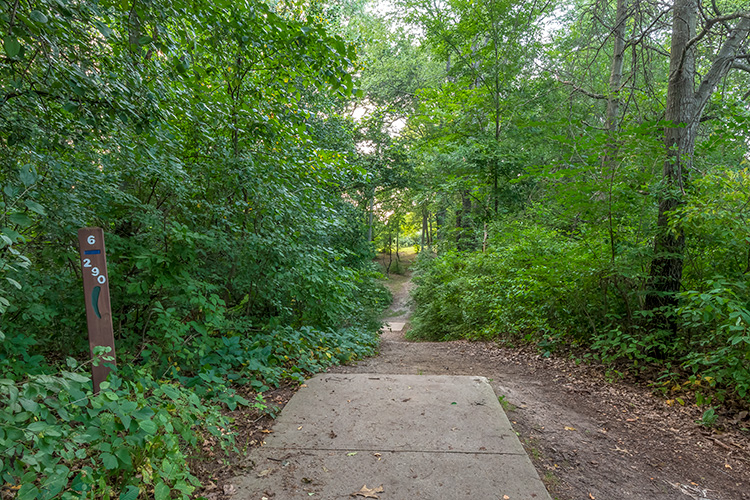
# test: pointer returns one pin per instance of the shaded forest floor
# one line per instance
(589, 438)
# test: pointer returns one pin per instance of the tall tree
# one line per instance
(693, 77)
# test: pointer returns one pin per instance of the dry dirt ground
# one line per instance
(589, 438)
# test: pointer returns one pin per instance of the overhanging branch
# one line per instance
(579, 89)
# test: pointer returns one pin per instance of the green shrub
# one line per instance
(718, 320)
(530, 283)
(58, 440)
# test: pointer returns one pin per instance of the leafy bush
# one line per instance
(531, 282)
(719, 319)
(59, 440)
(235, 253)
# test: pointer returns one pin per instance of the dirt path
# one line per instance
(589, 439)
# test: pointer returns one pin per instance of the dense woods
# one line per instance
(574, 176)
(586, 171)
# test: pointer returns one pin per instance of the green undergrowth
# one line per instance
(540, 286)
(133, 439)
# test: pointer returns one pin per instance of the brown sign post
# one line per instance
(98, 306)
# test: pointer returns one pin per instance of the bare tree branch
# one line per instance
(709, 24)
(579, 89)
(724, 60)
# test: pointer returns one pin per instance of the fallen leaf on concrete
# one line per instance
(506, 497)
(229, 489)
(569, 428)
(264, 473)
(592, 497)
(367, 492)
(266, 431)
(351, 453)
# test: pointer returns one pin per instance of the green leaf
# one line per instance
(168, 469)
(109, 461)
(12, 46)
(28, 175)
(143, 414)
(148, 426)
(75, 377)
(170, 392)
(34, 207)
(37, 427)
(161, 491)
(29, 405)
(123, 454)
(28, 492)
(13, 282)
(103, 29)
(38, 17)
(19, 218)
(125, 419)
(130, 493)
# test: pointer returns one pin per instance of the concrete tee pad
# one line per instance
(419, 437)
(395, 326)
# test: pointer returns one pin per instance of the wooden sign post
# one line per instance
(98, 306)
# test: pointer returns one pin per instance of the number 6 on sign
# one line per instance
(91, 239)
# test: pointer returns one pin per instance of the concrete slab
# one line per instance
(411, 412)
(419, 437)
(396, 326)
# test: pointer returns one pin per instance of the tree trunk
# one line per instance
(390, 253)
(430, 233)
(439, 224)
(462, 222)
(618, 58)
(398, 230)
(679, 142)
(370, 215)
(609, 161)
(685, 108)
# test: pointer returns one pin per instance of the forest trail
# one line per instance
(397, 315)
(588, 438)
(404, 435)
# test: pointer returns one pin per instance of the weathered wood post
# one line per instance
(98, 306)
